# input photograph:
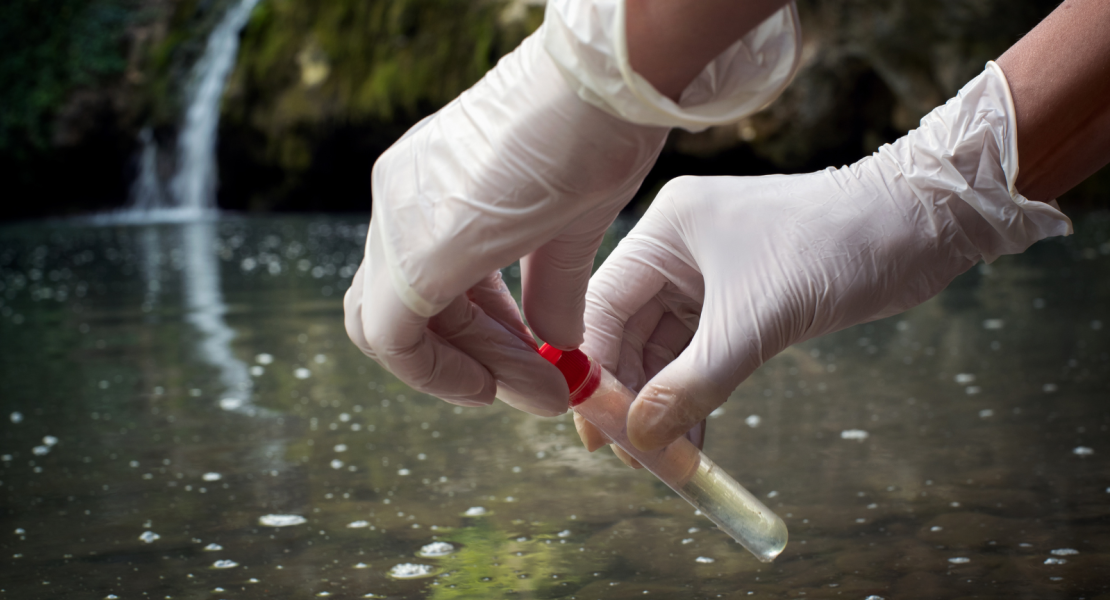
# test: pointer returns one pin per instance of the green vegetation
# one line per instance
(51, 48)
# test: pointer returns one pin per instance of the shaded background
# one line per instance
(320, 89)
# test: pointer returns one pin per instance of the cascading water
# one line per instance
(192, 189)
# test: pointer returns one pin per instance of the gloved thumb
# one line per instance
(684, 392)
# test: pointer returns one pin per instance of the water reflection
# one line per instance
(206, 309)
(957, 450)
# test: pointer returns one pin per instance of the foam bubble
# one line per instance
(410, 571)
(281, 520)
(436, 549)
(149, 536)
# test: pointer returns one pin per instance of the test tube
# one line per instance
(604, 401)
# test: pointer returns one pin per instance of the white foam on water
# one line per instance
(687, 541)
(704, 560)
(213, 547)
(1083, 451)
(336, 464)
(1048, 388)
(959, 560)
(403, 472)
(302, 373)
(264, 358)
(965, 378)
(854, 434)
(361, 566)
(436, 549)
(281, 520)
(50, 441)
(224, 564)
(1055, 561)
(1064, 552)
(993, 324)
(40, 450)
(340, 448)
(410, 571)
(753, 421)
(149, 536)
(475, 511)
(986, 413)
(936, 528)
(16, 417)
(211, 476)
(564, 533)
(358, 524)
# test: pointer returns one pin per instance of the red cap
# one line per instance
(576, 369)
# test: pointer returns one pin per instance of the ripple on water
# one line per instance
(281, 520)
(411, 571)
(436, 549)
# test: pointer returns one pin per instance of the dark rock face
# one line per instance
(320, 89)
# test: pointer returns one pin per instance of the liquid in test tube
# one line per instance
(604, 401)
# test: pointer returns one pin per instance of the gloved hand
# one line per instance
(534, 161)
(723, 273)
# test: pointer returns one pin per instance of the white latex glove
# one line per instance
(723, 273)
(534, 161)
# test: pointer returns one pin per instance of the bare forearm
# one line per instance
(671, 41)
(1059, 75)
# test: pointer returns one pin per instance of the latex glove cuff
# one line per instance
(968, 148)
(587, 42)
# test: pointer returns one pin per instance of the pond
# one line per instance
(184, 417)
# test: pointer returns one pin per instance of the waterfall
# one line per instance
(192, 189)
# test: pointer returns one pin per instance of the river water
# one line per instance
(184, 417)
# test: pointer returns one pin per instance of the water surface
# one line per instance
(169, 389)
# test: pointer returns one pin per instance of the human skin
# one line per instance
(1059, 76)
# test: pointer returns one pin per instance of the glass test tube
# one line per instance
(604, 402)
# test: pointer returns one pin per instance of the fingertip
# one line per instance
(625, 457)
(592, 438)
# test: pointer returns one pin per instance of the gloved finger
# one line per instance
(493, 297)
(554, 278)
(699, 380)
(399, 339)
(668, 340)
(352, 313)
(592, 437)
(536, 386)
(696, 435)
(625, 457)
(639, 328)
(621, 288)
